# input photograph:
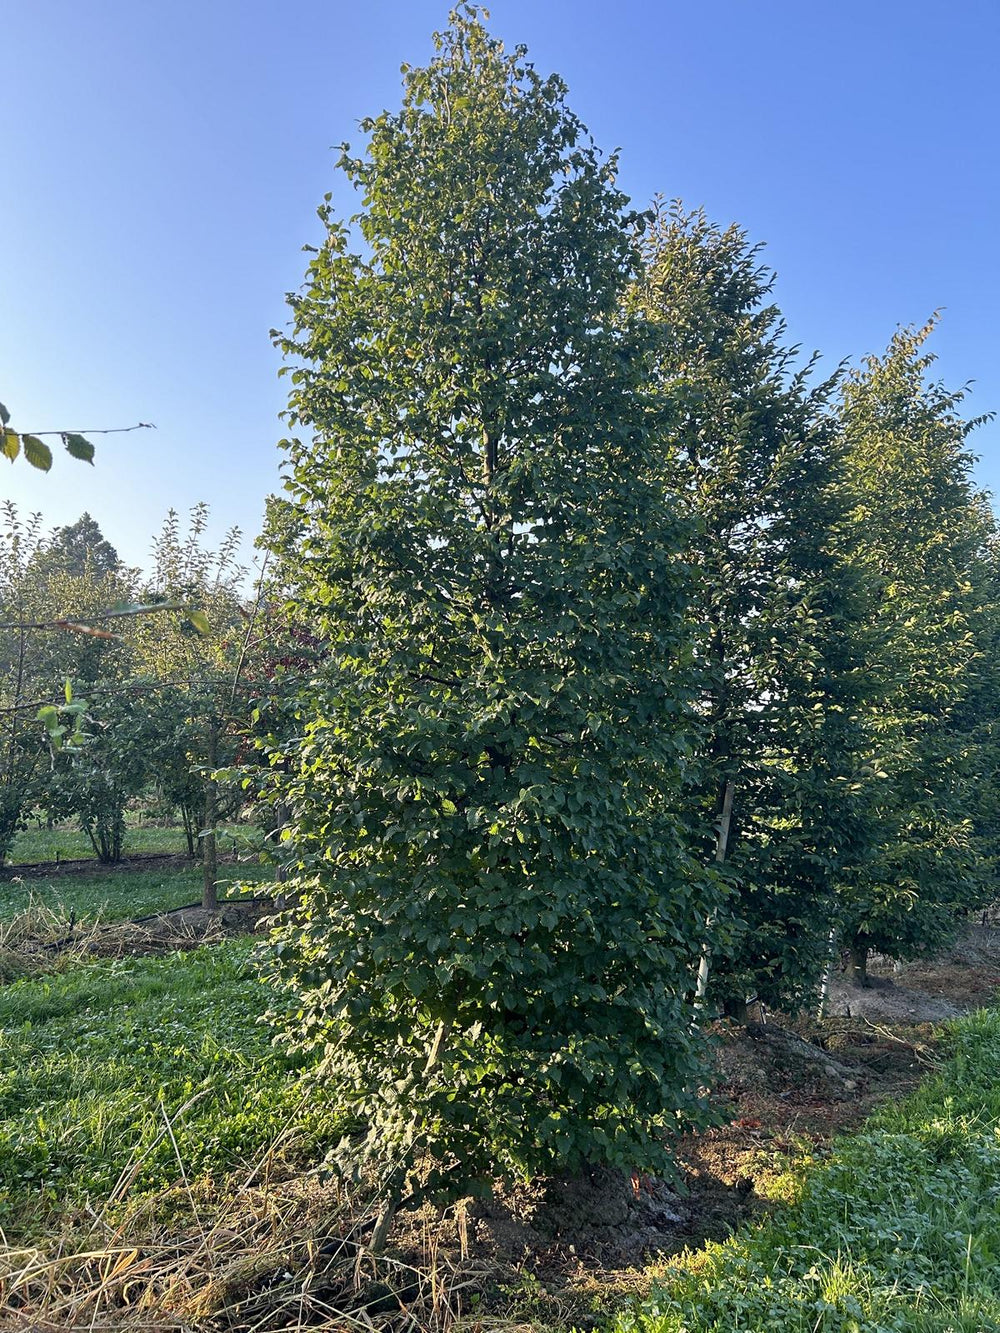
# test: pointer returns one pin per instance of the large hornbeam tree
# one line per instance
(755, 459)
(498, 918)
(919, 532)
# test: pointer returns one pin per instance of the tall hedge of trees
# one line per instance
(646, 669)
(914, 528)
(496, 901)
(751, 449)
(614, 670)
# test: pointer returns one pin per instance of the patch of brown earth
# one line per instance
(885, 999)
(183, 928)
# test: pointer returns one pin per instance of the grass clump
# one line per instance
(899, 1231)
(135, 1074)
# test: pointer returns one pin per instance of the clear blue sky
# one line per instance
(161, 161)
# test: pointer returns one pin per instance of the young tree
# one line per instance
(916, 530)
(23, 754)
(755, 460)
(109, 764)
(197, 666)
(94, 780)
(498, 920)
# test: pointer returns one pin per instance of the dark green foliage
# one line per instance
(917, 532)
(978, 716)
(80, 548)
(756, 461)
(499, 918)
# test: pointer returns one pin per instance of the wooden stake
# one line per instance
(721, 845)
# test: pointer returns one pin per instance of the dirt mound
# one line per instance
(601, 1215)
(883, 1000)
(183, 928)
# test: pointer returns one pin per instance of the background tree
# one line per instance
(916, 529)
(93, 781)
(978, 717)
(108, 765)
(499, 918)
(196, 666)
(23, 754)
(755, 460)
(63, 582)
(81, 548)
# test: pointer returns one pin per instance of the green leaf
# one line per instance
(48, 715)
(200, 621)
(4, 415)
(37, 453)
(11, 444)
(68, 690)
(78, 447)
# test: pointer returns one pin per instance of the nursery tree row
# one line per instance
(639, 651)
(100, 706)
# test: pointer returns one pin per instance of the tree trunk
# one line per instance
(89, 830)
(210, 893)
(721, 846)
(857, 972)
(824, 990)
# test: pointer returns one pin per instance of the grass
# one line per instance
(37, 843)
(119, 895)
(131, 1091)
(900, 1230)
(135, 1074)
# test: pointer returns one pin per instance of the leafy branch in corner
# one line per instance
(38, 454)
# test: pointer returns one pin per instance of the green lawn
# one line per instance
(121, 895)
(95, 1062)
(900, 1230)
(64, 843)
